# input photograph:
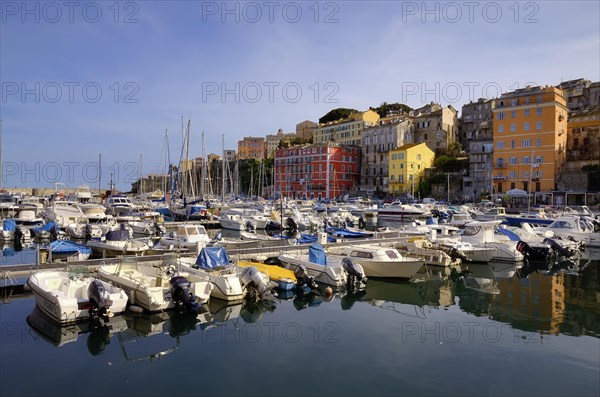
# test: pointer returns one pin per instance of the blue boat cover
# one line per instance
(45, 228)
(117, 235)
(336, 231)
(316, 254)
(9, 225)
(511, 235)
(64, 246)
(311, 238)
(212, 258)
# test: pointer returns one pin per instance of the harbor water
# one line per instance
(491, 329)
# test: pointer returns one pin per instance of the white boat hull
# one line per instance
(66, 300)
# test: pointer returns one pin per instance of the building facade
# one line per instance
(435, 126)
(324, 170)
(583, 139)
(273, 141)
(407, 167)
(252, 148)
(476, 136)
(530, 137)
(346, 131)
(391, 133)
(305, 129)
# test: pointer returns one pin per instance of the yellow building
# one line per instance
(530, 137)
(346, 131)
(407, 166)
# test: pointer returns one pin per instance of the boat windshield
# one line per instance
(471, 230)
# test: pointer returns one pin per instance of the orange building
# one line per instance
(530, 137)
(252, 148)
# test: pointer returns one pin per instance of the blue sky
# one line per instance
(100, 79)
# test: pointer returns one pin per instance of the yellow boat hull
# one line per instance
(274, 272)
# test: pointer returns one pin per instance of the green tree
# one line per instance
(391, 109)
(337, 114)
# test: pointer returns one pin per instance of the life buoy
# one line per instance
(203, 212)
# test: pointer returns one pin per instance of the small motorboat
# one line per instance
(284, 278)
(68, 297)
(156, 285)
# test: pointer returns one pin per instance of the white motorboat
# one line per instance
(234, 222)
(480, 234)
(64, 213)
(213, 263)
(157, 285)
(11, 232)
(579, 228)
(87, 231)
(397, 210)
(118, 243)
(378, 261)
(68, 297)
(188, 235)
(325, 270)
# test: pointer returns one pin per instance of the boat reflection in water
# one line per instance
(59, 335)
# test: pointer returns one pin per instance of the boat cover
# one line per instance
(212, 258)
(336, 231)
(316, 254)
(45, 228)
(9, 225)
(511, 235)
(431, 221)
(117, 235)
(64, 246)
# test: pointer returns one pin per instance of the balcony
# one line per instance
(500, 165)
(499, 178)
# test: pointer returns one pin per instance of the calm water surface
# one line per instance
(496, 330)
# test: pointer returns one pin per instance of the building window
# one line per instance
(539, 99)
(526, 126)
(526, 143)
(512, 144)
(513, 127)
(513, 102)
(526, 112)
(513, 114)
(538, 142)
(526, 160)
(512, 175)
(513, 160)
(500, 145)
(501, 116)
(538, 125)
(501, 128)
(539, 111)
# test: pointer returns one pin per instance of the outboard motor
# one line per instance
(354, 270)
(159, 230)
(557, 248)
(292, 226)
(531, 253)
(19, 237)
(88, 231)
(99, 300)
(303, 278)
(349, 222)
(250, 226)
(251, 277)
(362, 223)
(53, 234)
(219, 236)
(455, 254)
(182, 296)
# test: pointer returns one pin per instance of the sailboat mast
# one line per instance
(1, 168)
(141, 187)
(223, 166)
